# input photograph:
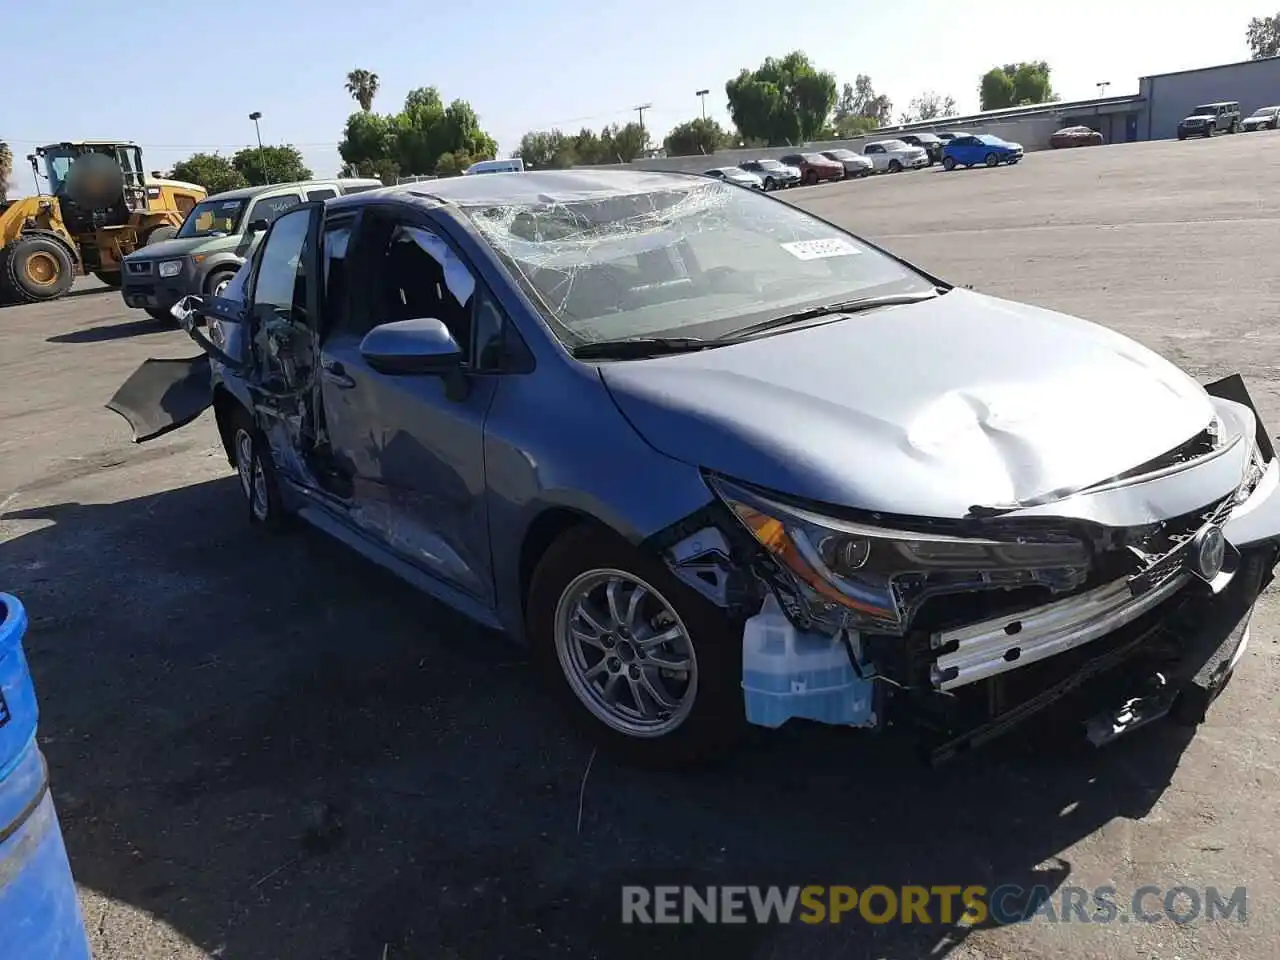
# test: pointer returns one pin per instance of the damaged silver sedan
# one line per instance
(719, 461)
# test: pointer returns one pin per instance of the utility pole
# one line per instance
(1102, 88)
(640, 110)
(262, 157)
(702, 95)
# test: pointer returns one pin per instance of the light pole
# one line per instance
(702, 95)
(262, 157)
(1102, 88)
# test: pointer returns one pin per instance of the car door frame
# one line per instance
(268, 410)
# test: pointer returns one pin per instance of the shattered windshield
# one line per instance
(709, 256)
(213, 217)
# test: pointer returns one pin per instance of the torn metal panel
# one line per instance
(391, 515)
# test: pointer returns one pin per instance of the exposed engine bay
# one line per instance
(962, 630)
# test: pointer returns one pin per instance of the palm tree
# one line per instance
(6, 169)
(363, 87)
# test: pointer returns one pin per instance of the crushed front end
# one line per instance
(1128, 600)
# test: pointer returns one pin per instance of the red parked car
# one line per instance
(814, 167)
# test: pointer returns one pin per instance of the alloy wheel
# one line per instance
(626, 653)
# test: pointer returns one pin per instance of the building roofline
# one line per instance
(1216, 66)
(1013, 113)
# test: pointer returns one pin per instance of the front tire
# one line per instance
(992, 160)
(217, 281)
(112, 280)
(645, 664)
(256, 473)
(34, 269)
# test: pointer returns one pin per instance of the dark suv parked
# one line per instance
(1210, 118)
(928, 142)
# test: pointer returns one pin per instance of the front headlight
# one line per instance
(873, 572)
(170, 268)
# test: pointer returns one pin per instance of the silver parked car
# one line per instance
(1264, 118)
(772, 173)
(737, 176)
(717, 460)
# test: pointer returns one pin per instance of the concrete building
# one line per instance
(1168, 97)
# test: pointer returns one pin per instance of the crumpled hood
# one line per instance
(926, 409)
(168, 249)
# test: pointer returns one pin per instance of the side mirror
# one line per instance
(412, 346)
(187, 311)
(259, 225)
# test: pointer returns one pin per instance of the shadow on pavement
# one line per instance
(69, 295)
(281, 751)
(111, 331)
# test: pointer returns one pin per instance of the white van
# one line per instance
(513, 165)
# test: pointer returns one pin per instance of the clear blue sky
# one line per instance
(526, 65)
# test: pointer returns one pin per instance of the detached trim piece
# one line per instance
(1006, 643)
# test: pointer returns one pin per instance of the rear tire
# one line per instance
(948, 163)
(769, 184)
(603, 673)
(811, 178)
(895, 166)
(256, 472)
(35, 269)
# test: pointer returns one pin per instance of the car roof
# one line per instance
(247, 193)
(529, 188)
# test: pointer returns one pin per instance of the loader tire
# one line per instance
(35, 269)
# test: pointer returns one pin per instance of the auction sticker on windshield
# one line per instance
(819, 249)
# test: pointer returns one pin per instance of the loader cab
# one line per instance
(103, 179)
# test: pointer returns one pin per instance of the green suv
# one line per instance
(219, 235)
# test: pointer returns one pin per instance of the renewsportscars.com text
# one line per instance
(942, 904)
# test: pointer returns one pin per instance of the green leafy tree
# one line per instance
(212, 171)
(626, 142)
(783, 101)
(694, 137)
(1016, 84)
(6, 170)
(363, 87)
(281, 164)
(1263, 37)
(860, 109)
(452, 164)
(929, 106)
(413, 141)
(547, 150)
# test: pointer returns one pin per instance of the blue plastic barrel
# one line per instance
(39, 913)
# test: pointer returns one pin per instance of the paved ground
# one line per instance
(271, 749)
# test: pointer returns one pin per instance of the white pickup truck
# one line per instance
(893, 156)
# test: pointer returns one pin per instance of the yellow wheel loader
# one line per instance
(100, 206)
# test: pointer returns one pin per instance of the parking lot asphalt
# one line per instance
(268, 748)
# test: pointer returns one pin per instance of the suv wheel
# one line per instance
(895, 166)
